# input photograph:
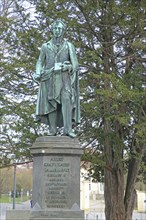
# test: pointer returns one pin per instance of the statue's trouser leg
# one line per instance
(53, 122)
(66, 111)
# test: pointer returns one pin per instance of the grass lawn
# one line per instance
(7, 199)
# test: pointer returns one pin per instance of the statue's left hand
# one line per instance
(66, 66)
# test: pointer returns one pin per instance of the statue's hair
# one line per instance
(58, 21)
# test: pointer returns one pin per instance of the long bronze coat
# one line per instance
(51, 83)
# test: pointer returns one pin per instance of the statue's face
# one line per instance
(58, 30)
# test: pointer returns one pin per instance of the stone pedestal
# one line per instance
(56, 179)
(56, 172)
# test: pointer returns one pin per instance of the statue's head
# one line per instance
(58, 28)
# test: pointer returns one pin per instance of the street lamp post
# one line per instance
(14, 186)
(15, 163)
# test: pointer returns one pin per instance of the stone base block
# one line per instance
(44, 215)
(57, 215)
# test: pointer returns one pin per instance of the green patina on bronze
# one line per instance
(57, 71)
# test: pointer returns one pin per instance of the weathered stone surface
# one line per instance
(56, 144)
(57, 214)
(56, 172)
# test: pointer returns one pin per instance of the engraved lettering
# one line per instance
(56, 174)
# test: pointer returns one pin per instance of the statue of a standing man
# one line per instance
(57, 72)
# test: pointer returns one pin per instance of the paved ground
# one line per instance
(96, 210)
(101, 216)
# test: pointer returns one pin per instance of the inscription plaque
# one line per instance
(57, 172)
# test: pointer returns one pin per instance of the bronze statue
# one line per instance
(57, 71)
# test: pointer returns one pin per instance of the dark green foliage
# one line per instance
(110, 41)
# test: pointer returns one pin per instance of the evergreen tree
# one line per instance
(109, 37)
